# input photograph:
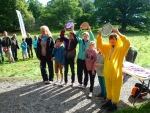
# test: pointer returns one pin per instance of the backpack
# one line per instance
(137, 89)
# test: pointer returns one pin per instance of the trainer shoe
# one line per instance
(107, 104)
(112, 108)
(83, 86)
(61, 82)
(64, 84)
(73, 84)
(79, 86)
(46, 82)
(90, 94)
(57, 82)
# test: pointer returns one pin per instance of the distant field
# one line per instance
(31, 69)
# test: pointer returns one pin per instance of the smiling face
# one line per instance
(113, 39)
(5, 33)
(44, 31)
(91, 45)
(85, 37)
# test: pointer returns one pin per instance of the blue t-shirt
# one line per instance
(44, 38)
(24, 46)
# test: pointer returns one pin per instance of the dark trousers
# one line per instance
(69, 61)
(43, 62)
(30, 53)
(2, 54)
(35, 49)
(14, 53)
(92, 77)
(81, 66)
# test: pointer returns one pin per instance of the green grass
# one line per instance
(144, 108)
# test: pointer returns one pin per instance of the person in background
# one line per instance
(83, 46)
(131, 54)
(1, 52)
(99, 65)
(35, 44)
(114, 53)
(45, 46)
(91, 56)
(29, 44)
(59, 56)
(6, 44)
(14, 46)
(70, 53)
(24, 50)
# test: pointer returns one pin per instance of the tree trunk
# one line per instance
(123, 27)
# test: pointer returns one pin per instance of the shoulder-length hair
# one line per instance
(47, 29)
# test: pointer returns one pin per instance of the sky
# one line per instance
(44, 2)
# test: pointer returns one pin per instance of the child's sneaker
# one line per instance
(79, 86)
(73, 84)
(46, 82)
(56, 83)
(90, 94)
(83, 86)
(64, 84)
(61, 82)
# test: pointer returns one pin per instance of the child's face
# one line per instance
(113, 41)
(91, 46)
(85, 37)
(58, 42)
(23, 40)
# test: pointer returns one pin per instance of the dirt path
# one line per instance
(27, 96)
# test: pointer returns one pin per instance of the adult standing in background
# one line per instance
(35, 44)
(6, 44)
(1, 52)
(29, 44)
(14, 46)
(45, 46)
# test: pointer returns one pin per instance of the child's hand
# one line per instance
(52, 58)
(115, 30)
(55, 46)
(93, 72)
(96, 65)
(100, 32)
(81, 27)
(89, 28)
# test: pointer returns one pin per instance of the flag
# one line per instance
(23, 31)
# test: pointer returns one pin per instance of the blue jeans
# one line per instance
(102, 85)
(2, 55)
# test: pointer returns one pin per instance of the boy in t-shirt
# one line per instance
(59, 56)
(24, 50)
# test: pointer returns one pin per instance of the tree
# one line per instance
(123, 12)
(87, 6)
(58, 12)
(36, 8)
(8, 16)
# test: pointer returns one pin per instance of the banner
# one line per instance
(23, 31)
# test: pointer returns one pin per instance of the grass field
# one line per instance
(31, 69)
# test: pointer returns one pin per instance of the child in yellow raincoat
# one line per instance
(114, 53)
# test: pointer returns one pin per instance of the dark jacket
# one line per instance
(73, 43)
(29, 41)
(13, 45)
(6, 43)
(0, 45)
(49, 47)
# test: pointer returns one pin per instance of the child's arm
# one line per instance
(91, 34)
(78, 34)
(62, 35)
(53, 51)
(95, 58)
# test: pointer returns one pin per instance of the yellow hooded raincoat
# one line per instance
(113, 65)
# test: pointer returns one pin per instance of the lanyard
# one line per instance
(83, 46)
(90, 55)
(69, 44)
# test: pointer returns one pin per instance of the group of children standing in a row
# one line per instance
(107, 61)
(88, 60)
